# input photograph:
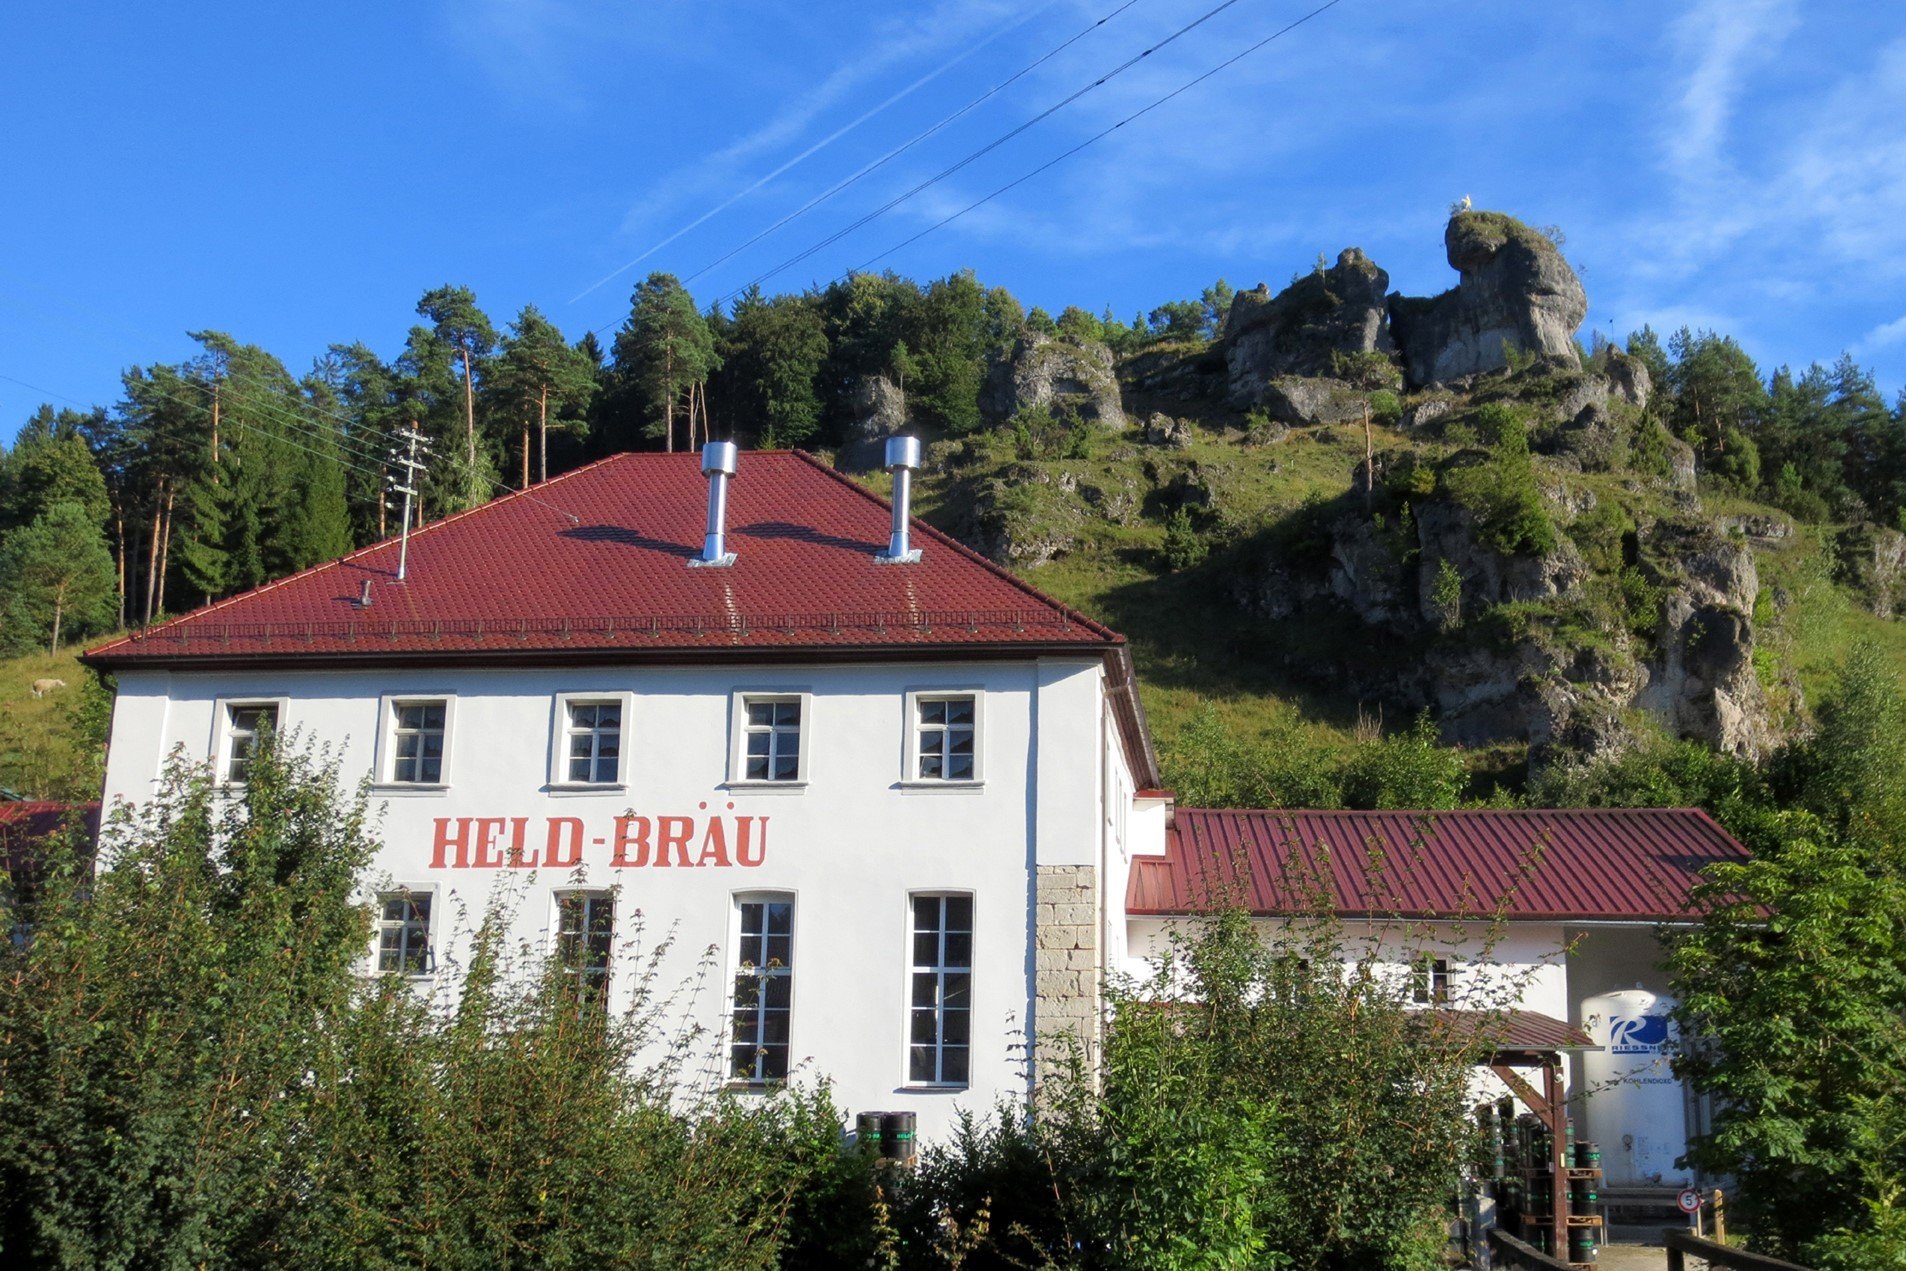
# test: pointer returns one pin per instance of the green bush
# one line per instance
(1039, 434)
(1501, 490)
(1386, 408)
(1185, 545)
(195, 1074)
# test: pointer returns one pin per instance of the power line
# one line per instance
(984, 150)
(1096, 137)
(822, 144)
(907, 145)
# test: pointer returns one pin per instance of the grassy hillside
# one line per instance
(43, 751)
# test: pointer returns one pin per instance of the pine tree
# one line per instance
(541, 382)
(466, 331)
(663, 350)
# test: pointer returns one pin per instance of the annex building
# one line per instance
(906, 803)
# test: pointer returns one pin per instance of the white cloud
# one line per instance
(1722, 41)
(1885, 335)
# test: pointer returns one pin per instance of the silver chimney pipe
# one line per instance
(718, 465)
(903, 456)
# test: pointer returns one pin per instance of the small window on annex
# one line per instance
(939, 1027)
(417, 742)
(585, 932)
(592, 752)
(771, 738)
(764, 989)
(403, 933)
(946, 733)
(1429, 980)
(246, 726)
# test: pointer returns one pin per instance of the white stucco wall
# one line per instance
(851, 844)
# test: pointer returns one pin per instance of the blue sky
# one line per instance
(299, 179)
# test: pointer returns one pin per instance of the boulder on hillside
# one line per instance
(1064, 376)
(1299, 400)
(879, 412)
(1339, 310)
(1515, 288)
(1628, 378)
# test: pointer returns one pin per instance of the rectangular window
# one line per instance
(946, 729)
(764, 990)
(771, 738)
(593, 753)
(417, 733)
(246, 723)
(1429, 980)
(403, 933)
(585, 929)
(940, 1015)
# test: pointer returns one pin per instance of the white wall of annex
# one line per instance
(851, 844)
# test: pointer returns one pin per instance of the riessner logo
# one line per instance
(688, 842)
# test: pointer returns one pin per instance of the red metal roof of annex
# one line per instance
(1585, 865)
(597, 559)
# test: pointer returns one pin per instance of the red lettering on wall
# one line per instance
(444, 841)
(564, 848)
(714, 844)
(488, 830)
(748, 853)
(672, 835)
(519, 827)
(631, 832)
(496, 842)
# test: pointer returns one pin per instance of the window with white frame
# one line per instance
(771, 737)
(945, 737)
(246, 725)
(585, 932)
(403, 933)
(592, 741)
(417, 731)
(1429, 980)
(764, 988)
(939, 1025)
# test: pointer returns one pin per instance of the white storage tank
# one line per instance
(1636, 1108)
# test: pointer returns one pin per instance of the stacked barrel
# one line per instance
(1516, 1157)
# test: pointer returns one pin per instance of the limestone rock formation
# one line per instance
(1871, 560)
(1702, 682)
(1515, 287)
(1340, 310)
(1304, 401)
(1061, 375)
(880, 412)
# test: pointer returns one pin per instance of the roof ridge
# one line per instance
(1416, 812)
(948, 541)
(338, 562)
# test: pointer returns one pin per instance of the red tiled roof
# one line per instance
(1591, 864)
(1514, 1029)
(24, 823)
(517, 576)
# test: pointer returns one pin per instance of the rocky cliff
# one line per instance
(1514, 542)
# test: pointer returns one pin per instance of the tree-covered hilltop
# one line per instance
(1547, 547)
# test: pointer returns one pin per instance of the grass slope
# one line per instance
(42, 754)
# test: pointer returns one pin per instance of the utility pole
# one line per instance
(412, 465)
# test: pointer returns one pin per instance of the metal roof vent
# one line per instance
(718, 465)
(903, 456)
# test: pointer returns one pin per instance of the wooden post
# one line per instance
(1720, 1216)
(1557, 1117)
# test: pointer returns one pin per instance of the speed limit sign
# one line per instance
(1689, 1200)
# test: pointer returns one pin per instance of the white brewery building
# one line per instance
(908, 801)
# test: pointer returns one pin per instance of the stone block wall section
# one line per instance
(1066, 957)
